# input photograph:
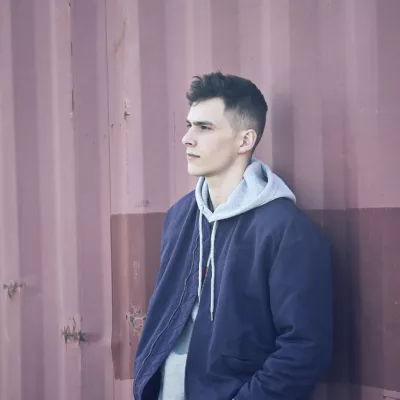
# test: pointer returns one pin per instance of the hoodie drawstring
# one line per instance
(211, 259)
(201, 253)
(212, 251)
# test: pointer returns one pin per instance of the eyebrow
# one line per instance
(198, 123)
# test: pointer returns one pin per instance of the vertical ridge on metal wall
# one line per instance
(92, 112)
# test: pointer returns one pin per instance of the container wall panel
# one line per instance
(92, 112)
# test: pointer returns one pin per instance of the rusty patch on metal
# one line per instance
(136, 319)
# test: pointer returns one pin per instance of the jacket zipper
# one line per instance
(201, 292)
(172, 316)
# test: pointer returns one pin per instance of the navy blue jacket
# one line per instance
(271, 337)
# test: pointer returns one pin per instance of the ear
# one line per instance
(247, 141)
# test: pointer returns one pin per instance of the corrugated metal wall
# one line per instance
(92, 110)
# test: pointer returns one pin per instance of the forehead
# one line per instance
(212, 110)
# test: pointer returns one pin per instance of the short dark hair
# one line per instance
(240, 95)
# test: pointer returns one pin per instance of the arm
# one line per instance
(301, 305)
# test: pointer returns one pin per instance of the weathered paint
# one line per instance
(55, 200)
(92, 111)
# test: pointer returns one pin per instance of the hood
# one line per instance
(259, 186)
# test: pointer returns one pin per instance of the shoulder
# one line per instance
(283, 218)
(181, 208)
(183, 204)
(277, 214)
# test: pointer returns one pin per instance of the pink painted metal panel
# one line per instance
(92, 111)
(10, 314)
(55, 198)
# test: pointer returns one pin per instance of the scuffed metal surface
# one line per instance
(92, 111)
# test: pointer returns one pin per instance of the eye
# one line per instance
(205, 128)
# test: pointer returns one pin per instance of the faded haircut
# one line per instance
(244, 102)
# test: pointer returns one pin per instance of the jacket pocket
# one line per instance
(241, 366)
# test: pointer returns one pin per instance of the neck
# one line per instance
(222, 185)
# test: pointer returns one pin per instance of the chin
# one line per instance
(195, 172)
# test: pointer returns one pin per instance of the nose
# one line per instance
(189, 140)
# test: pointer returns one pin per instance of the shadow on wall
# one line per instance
(366, 352)
(365, 254)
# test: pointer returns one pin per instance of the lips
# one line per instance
(191, 156)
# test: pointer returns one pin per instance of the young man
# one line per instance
(242, 307)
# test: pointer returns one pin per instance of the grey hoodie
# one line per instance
(259, 186)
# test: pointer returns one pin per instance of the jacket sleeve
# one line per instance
(300, 285)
